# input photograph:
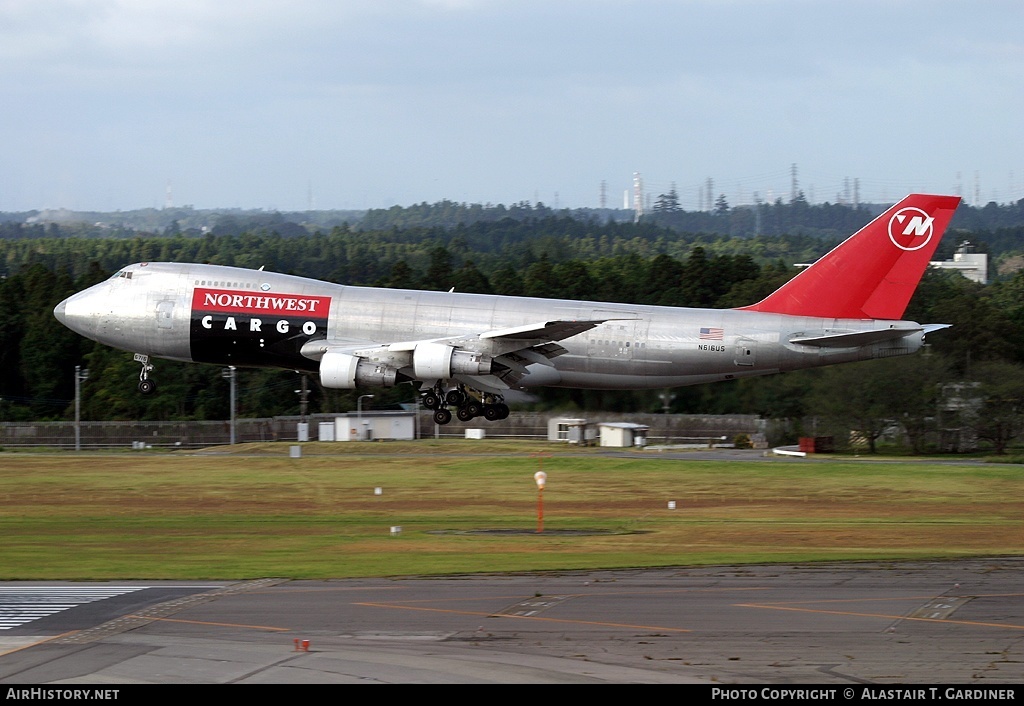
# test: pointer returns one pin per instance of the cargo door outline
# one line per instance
(165, 314)
(746, 353)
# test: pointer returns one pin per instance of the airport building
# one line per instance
(972, 265)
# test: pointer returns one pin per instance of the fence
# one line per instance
(672, 428)
(96, 435)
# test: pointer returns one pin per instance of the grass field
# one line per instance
(255, 512)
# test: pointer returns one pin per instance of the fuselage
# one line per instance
(233, 316)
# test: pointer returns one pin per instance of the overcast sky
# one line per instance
(372, 103)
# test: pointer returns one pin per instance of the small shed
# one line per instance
(623, 434)
(561, 428)
(325, 431)
(375, 425)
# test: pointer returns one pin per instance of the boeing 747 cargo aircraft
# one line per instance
(465, 351)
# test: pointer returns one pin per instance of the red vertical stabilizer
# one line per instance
(873, 273)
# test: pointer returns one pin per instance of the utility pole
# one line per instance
(228, 373)
(80, 375)
(302, 431)
(304, 400)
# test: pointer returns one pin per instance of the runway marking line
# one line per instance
(275, 589)
(793, 606)
(405, 605)
(40, 642)
(485, 614)
(580, 595)
(215, 624)
(895, 598)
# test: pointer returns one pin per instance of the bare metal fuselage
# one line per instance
(156, 309)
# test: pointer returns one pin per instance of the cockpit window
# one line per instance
(123, 274)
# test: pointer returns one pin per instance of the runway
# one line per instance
(949, 622)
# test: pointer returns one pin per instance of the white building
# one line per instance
(972, 265)
(566, 429)
(374, 425)
(622, 434)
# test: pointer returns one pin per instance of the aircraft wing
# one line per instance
(518, 347)
(316, 348)
(494, 360)
(547, 330)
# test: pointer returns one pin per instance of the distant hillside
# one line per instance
(994, 228)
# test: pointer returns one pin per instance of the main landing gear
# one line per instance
(468, 403)
(146, 386)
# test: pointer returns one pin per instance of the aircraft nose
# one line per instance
(77, 313)
(60, 311)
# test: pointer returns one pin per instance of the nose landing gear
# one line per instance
(146, 386)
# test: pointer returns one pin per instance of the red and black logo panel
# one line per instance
(230, 327)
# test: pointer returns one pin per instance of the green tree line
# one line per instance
(551, 257)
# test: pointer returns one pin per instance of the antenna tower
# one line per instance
(638, 197)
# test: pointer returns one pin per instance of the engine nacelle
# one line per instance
(341, 370)
(439, 361)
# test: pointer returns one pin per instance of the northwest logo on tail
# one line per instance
(908, 226)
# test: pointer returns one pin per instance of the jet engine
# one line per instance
(439, 361)
(345, 371)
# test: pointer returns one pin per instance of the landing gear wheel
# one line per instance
(431, 400)
(455, 397)
(492, 413)
(463, 414)
(503, 410)
(474, 408)
(442, 416)
(147, 387)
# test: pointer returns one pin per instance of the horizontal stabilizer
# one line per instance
(853, 339)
